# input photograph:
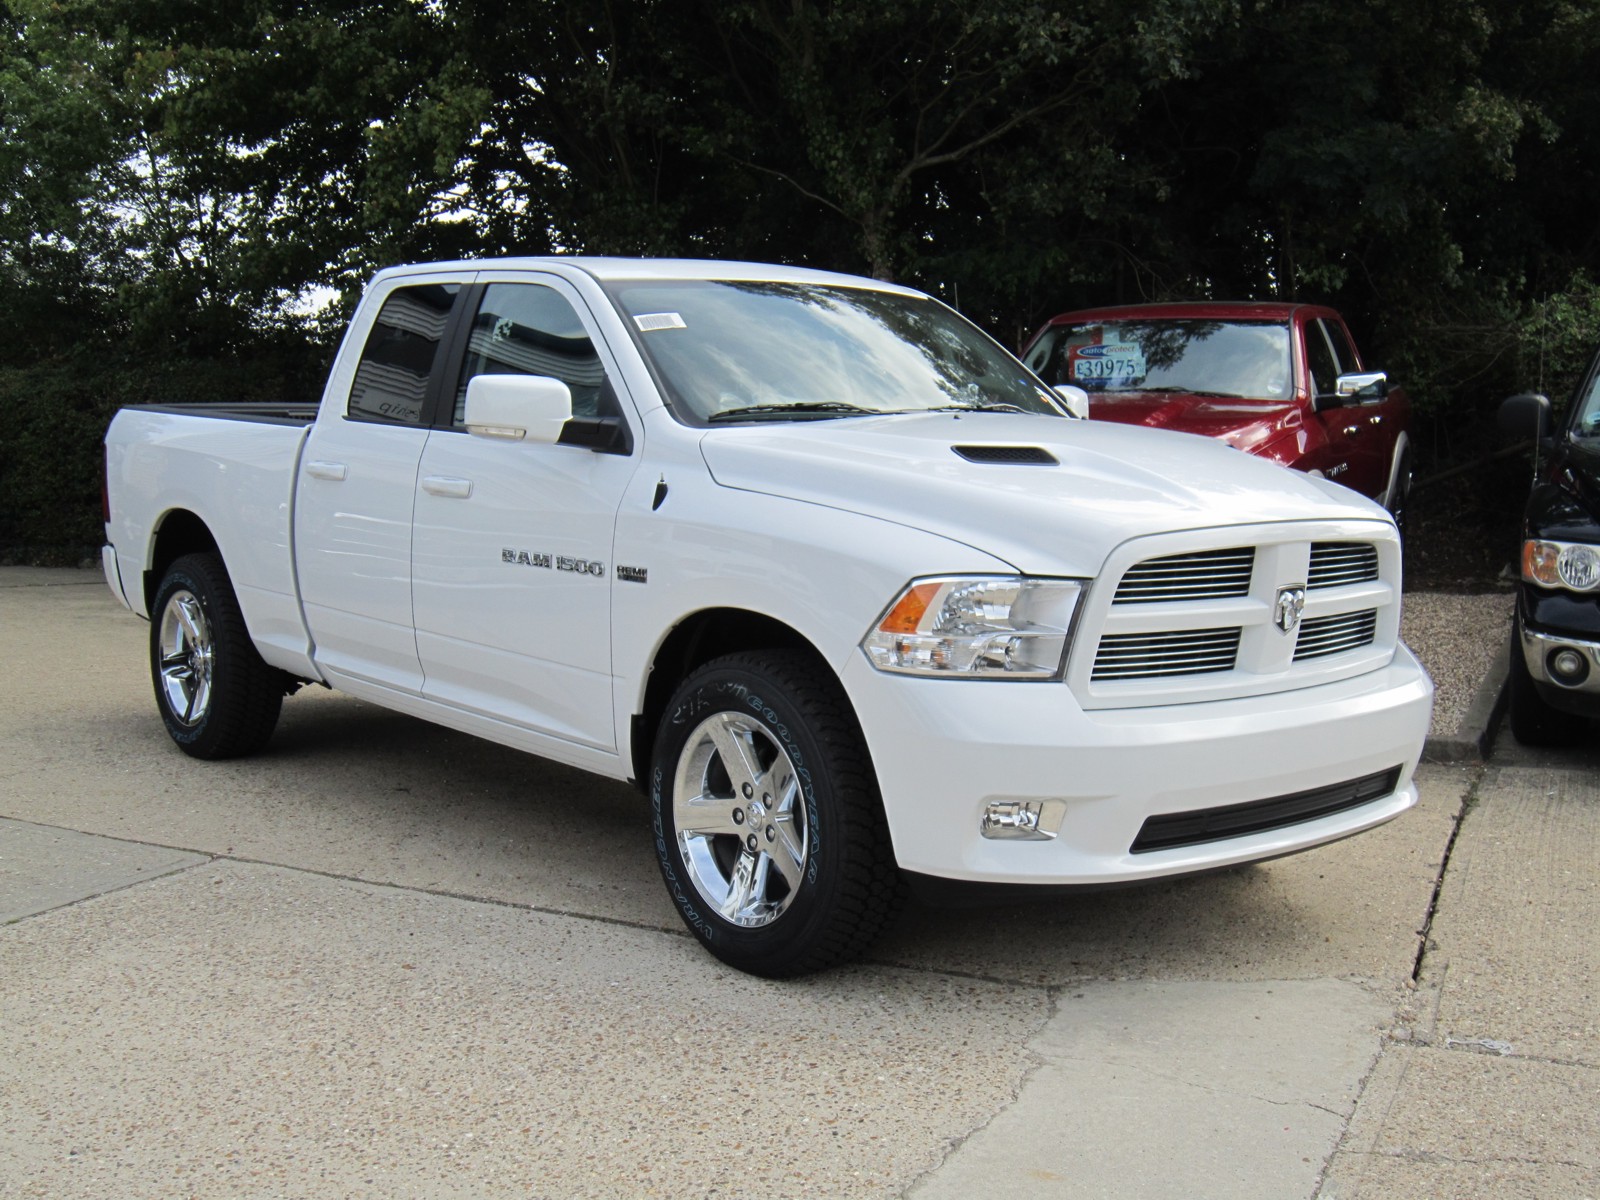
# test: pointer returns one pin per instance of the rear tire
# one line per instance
(218, 699)
(1533, 721)
(768, 823)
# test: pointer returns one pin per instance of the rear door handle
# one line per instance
(451, 489)
(327, 470)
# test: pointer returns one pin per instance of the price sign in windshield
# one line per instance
(1110, 363)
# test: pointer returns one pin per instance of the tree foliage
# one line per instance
(180, 182)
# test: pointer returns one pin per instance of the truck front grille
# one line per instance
(1200, 615)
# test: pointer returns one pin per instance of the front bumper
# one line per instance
(947, 752)
(1563, 689)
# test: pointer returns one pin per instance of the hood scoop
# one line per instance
(1010, 456)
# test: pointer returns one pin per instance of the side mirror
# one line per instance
(1362, 387)
(517, 408)
(1075, 398)
(1525, 415)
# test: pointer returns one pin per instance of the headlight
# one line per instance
(976, 627)
(1571, 565)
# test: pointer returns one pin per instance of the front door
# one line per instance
(1357, 443)
(512, 541)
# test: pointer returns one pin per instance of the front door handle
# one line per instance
(327, 470)
(451, 489)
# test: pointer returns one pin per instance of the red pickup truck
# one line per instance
(1283, 381)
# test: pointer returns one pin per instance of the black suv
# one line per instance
(1555, 633)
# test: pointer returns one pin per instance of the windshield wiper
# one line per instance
(1194, 392)
(999, 406)
(800, 408)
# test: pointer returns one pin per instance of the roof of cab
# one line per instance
(1202, 310)
(608, 269)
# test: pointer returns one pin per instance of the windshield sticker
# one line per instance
(1110, 363)
(649, 322)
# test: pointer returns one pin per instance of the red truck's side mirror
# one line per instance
(1361, 386)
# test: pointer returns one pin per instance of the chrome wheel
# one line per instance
(739, 818)
(187, 656)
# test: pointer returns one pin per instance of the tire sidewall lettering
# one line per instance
(802, 771)
(681, 896)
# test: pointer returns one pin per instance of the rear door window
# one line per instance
(391, 383)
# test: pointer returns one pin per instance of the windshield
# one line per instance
(759, 351)
(1586, 421)
(1245, 359)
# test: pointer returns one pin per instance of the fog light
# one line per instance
(1567, 666)
(1022, 820)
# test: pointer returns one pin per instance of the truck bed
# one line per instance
(237, 463)
(260, 411)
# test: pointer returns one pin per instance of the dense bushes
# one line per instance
(56, 413)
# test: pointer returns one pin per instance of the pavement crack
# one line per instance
(1434, 1158)
(1034, 1062)
(1425, 934)
(129, 885)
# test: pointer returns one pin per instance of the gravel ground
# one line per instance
(1457, 638)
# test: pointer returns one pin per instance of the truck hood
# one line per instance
(957, 475)
(1565, 503)
(1241, 422)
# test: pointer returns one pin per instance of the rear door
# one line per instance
(355, 494)
(512, 563)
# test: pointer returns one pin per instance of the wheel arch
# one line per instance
(177, 533)
(694, 641)
(1399, 464)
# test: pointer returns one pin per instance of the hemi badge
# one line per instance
(633, 574)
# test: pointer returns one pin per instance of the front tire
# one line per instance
(217, 698)
(1398, 498)
(768, 823)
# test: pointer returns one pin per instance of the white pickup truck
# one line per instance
(841, 585)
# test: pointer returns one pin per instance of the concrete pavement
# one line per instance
(1489, 1083)
(384, 959)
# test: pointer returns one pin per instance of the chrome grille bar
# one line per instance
(1155, 655)
(1322, 636)
(1212, 575)
(1334, 564)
